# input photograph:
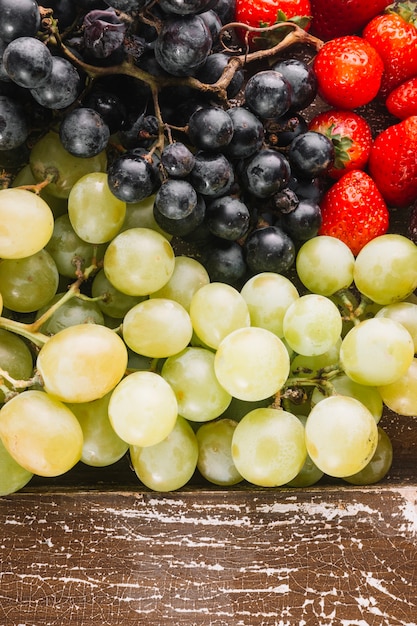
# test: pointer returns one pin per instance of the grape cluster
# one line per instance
(134, 134)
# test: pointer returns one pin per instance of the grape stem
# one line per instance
(19, 384)
(294, 388)
(352, 309)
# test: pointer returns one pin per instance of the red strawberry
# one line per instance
(351, 136)
(343, 17)
(394, 36)
(348, 71)
(354, 211)
(261, 13)
(402, 101)
(393, 162)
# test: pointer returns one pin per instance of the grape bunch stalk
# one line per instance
(163, 286)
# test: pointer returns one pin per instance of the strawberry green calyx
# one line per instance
(341, 144)
(406, 10)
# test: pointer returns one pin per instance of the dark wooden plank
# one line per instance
(243, 557)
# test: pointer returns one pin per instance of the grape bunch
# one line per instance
(164, 291)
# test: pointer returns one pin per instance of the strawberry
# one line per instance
(402, 101)
(348, 71)
(261, 13)
(393, 163)
(394, 36)
(343, 17)
(354, 211)
(351, 136)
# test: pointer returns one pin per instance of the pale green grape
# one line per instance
(401, 395)
(268, 447)
(95, 213)
(41, 433)
(143, 409)
(26, 223)
(268, 296)
(215, 462)
(199, 394)
(325, 265)
(309, 474)
(345, 386)
(82, 363)
(312, 325)
(341, 435)
(101, 445)
(115, 303)
(216, 310)
(157, 328)
(65, 247)
(405, 313)
(25, 177)
(378, 467)
(29, 283)
(252, 363)
(139, 261)
(238, 408)
(377, 352)
(169, 464)
(303, 366)
(15, 358)
(188, 276)
(12, 475)
(140, 215)
(72, 312)
(48, 157)
(386, 268)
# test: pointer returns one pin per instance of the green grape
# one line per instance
(238, 408)
(41, 433)
(199, 394)
(341, 435)
(12, 475)
(309, 474)
(82, 363)
(102, 446)
(72, 312)
(312, 325)
(188, 276)
(345, 386)
(303, 366)
(252, 363)
(376, 352)
(140, 215)
(48, 158)
(139, 261)
(65, 247)
(386, 269)
(157, 328)
(401, 396)
(316, 272)
(24, 177)
(378, 467)
(143, 409)
(216, 310)
(268, 447)
(405, 313)
(15, 358)
(29, 283)
(268, 296)
(26, 223)
(95, 213)
(115, 303)
(215, 461)
(169, 464)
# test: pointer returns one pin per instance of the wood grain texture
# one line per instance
(243, 557)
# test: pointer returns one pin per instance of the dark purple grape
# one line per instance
(178, 210)
(19, 18)
(132, 177)
(142, 133)
(212, 69)
(286, 200)
(212, 174)
(228, 218)
(225, 262)
(127, 6)
(4, 77)
(83, 133)
(13, 124)
(268, 94)
(65, 11)
(269, 249)
(103, 33)
(183, 44)
(265, 173)
(248, 133)
(27, 61)
(225, 9)
(109, 106)
(281, 132)
(210, 128)
(303, 82)
(61, 88)
(177, 159)
(185, 7)
(303, 222)
(213, 23)
(310, 154)
(308, 189)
